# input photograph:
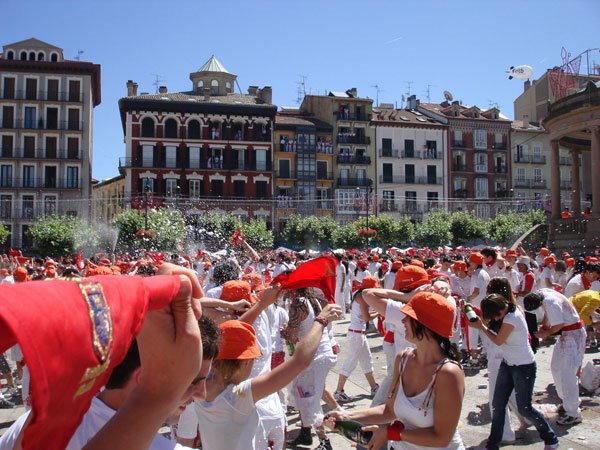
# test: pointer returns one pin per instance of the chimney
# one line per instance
(352, 92)
(206, 94)
(131, 88)
(162, 89)
(412, 102)
(253, 91)
(266, 94)
(526, 85)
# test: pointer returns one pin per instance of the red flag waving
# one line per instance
(79, 262)
(318, 273)
(12, 252)
(236, 237)
(155, 257)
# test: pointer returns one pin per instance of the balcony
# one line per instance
(566, 184)
(499, 146)
(459, 167)
(353, 159)
(209, 164)
(74, 97)
(528, 183)
(64, 125)
(459, 144)
(481, 168)
(20, 153)
(402, 179)
(500, 169)
(285, 174)
(346, 182)
(388, 153)
(324, 175)
(39, 183)
(529, 159)
(388, 206)
(565, 161)
(461, 193)
(362, 117)
(501, 193)
(351, 139)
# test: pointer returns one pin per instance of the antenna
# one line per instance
(428, 92)
(376, 86)
(402, 100)
(448, 96)
(79, 53)
(157, 80)
(493, 104)
(301, 88)
(408, 84)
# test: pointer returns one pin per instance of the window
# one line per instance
(261, 189)
(29, 146)
(361, 177)
(410, 201)
(481, 188)
(386, 147)
(6, 174)
(170, 157)
(170, 128)
(216, 188)
(261, 160)
(200, 86)
(195, 188)
(194, 129)
(322, 170)
(409, 173)
(171, 188)
(74, 88)
(194, 157)
(50, 177)
(460, 184)
(147, 127)
(8, 88)
(30, 88)
(28, 176)
(388, 201)
(147, 155)
(214, 87)
(344, 175)
(409, 148)
(458, 138)
(537, 174)
(520, 153)
(480, 139)
(284, 168)
(10, 55)
(228, 87)
(388, 173)
(30, 117)
(73, 148)
(27, 203)
(481, 163)
(50, 205)
(51, 118)
(23, 56)
(8, 116)
(239, 188)
(537, 153)
(54, 57)
(432, 200)
(431, 175)
(147, 184)
(72, 177)
(52, 89)
(73, 118)
(498, 139)
(31, 56)
(7, 146)
(430, 150)
(5, 206)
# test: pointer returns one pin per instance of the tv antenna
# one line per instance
(301, 88)
(493, 104)
(376, 86)
(79, 53)
(428, 92)
(448, 96)
(408, 84)
(158, 79)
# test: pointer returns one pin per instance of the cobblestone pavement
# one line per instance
(474, 424)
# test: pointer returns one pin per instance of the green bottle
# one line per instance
(351, 430)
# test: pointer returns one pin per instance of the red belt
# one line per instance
(575, 326)
(356, 331)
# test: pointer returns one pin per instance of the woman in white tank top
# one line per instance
(423, 408)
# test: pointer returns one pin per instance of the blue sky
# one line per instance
(462, 46)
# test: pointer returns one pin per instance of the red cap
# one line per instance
(238, 341)
(460, 266)
(20, 274)
(397, 265)
(416, 262)
(255, 281)
(510, 252)
(385, 266)
(410, 277)
(362, 264)
(369, 282)
(549, 260)
(544, 251)
(570, 262)
(476, 258)
(433, 311)
(235, 290)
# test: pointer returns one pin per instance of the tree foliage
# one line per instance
(4, 233)
(390, 231)
(346, 236)
(167, 225)
(465, 227)
(309, 232)
(435, 230)
(506, 228)
(257, 235)
(57, 236)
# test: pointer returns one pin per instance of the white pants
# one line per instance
(473, 338)
(307, 390)
(566, 360)
(340, 299)
(384, 386)
(357, 351)
(271, 429)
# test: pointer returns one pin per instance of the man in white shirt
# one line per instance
(493, 265)
(588, 280)
(480, 279)
(561, 316)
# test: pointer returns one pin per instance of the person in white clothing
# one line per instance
(587, 280)
(480, 280)
(547, 277)
(340, 284)
(561, 316)
(493, 264)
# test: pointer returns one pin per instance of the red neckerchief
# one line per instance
(586, 282)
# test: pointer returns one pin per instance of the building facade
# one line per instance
(207, 149)
(479, 165)
(303, 166)
(354, 156)
(46, 122)
(411, 169)
(108, 198)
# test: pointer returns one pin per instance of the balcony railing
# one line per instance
(351, 139)
(499, 146)
(500, 169)
(565, 161)
(388, 153)
(402, 179)
(20, 153)
(458, 144)
(529, 159)
(529, 183)
(353, 159)
(65, 125)
(210, 164)
(501, 193)
(76, 97)
(566, 184)
(481, 168)
(39, 183)
(362, 117)
(461, 193)
(425, 154)
(459, 167)
(343, 182)
(324, 175)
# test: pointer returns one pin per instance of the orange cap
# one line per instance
(549, 260)
(51, 272)
(418, 263)
(410, 277)
(375, 258)
(100, 270)
(397, 265)
(255, 281)
(369, 282)
(433, 311)
(544, 251)
(20, 274)
(460, 266)
(4, 272)
(510, 252)
(238, 341)
(476, 258)
(570, 262)
(235, 290)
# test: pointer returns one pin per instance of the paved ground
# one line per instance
(474, 424)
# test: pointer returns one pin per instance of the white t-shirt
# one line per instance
(480, 280)
(231, 417)
(515, 348)
(187, 427)
(547, 274)
(558, 308)
(461, 286)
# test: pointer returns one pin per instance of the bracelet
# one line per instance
(394, 431)
(322, 320)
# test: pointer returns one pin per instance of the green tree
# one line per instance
(216, 229)
(257, 235)
(4, 233)
(465, 227)
(309, 232)
(506, 228)
(435, 230)
(57, 236)
(346, 236)
(390, 231)
(166, 225)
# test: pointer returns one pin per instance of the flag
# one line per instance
(200, 254)
(318, 273)
(155, 257)
(22, 260)
(102, 316)
(12, 252)
(236, 237)
(79, 261)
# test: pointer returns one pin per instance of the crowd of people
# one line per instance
(266, 349)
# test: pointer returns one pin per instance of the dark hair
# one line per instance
(122, 373)
(488, 251)
(429, 263)
(145, 270)
(533, 301)
(494, 304)
(224, 272)
(580, 266)
(561, 266)
(446, 259)
(448, 349)
(499, 285)
(593, 267)
(210, 337)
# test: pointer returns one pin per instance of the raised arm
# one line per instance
(378, 298)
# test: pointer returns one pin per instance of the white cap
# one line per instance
(523, 260)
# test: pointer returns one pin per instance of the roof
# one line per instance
(32, 42)
(213, 65)
(464, 112)
(283, 120)
(390, 116)
(339, 94)
(108, 181)
(191, 97)
(517, 125)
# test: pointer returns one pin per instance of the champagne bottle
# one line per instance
(470, 313)
(351, 430)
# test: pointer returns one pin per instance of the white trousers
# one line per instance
(385, 385)
(357, 351)
(566, 360)
(307, 390)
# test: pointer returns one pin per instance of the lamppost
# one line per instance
(147, 193)
(357, 203)
(368, 192)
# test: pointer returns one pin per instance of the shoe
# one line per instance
(551, 446)
(324, 444)
(5, 404)
(594, 344)
(568, 420)
(339, 408)
(374, 389)
(342, 397)
(304, 438)
(561, 411)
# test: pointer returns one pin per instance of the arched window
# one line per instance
(31, 56)
(170, 128)
(214, 87)
(147, 127)
(41, 56)
(200, 85)
(193, 129)
(23, 56)
(228, 87)
(10, 54)
(54, 57)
